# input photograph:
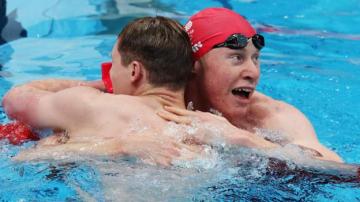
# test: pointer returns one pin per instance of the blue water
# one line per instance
(311, 61)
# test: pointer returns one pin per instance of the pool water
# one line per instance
(311, 60)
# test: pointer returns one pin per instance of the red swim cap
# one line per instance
(17, 133)
(213, 26)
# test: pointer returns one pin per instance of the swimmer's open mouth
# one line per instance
(244, 92)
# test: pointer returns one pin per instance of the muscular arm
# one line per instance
(288, 121)
(149, 146)
(54, 85)
(41, 105)
(44, 151)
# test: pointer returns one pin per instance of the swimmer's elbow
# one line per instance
(8, 104)
(16, 104)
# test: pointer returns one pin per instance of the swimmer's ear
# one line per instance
(137, 71)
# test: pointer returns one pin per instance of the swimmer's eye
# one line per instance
(237, 58)
(255, 58)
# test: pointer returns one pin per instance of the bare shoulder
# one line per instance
(80, 91)
(285, 118)
(79, 98)
(72, 99)
(66, 107)
(276, 107)
(293, 124)
(94, 95)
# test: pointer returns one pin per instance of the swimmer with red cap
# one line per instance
(227, 69)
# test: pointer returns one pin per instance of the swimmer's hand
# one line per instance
(220, 128)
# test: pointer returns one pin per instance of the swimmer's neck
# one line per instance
(164, 96)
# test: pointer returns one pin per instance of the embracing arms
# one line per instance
(23, 102)
(213, 129)
(55, 85)
(147, 146)
(300, 131)
(45, 103)
(67, 106)
(304, 137)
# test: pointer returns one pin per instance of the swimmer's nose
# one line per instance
(251, 72)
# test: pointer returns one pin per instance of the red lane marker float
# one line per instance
(17, 133)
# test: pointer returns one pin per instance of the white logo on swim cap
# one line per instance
(188, 26)
(196, 47)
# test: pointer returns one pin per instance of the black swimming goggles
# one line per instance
(239, 41)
